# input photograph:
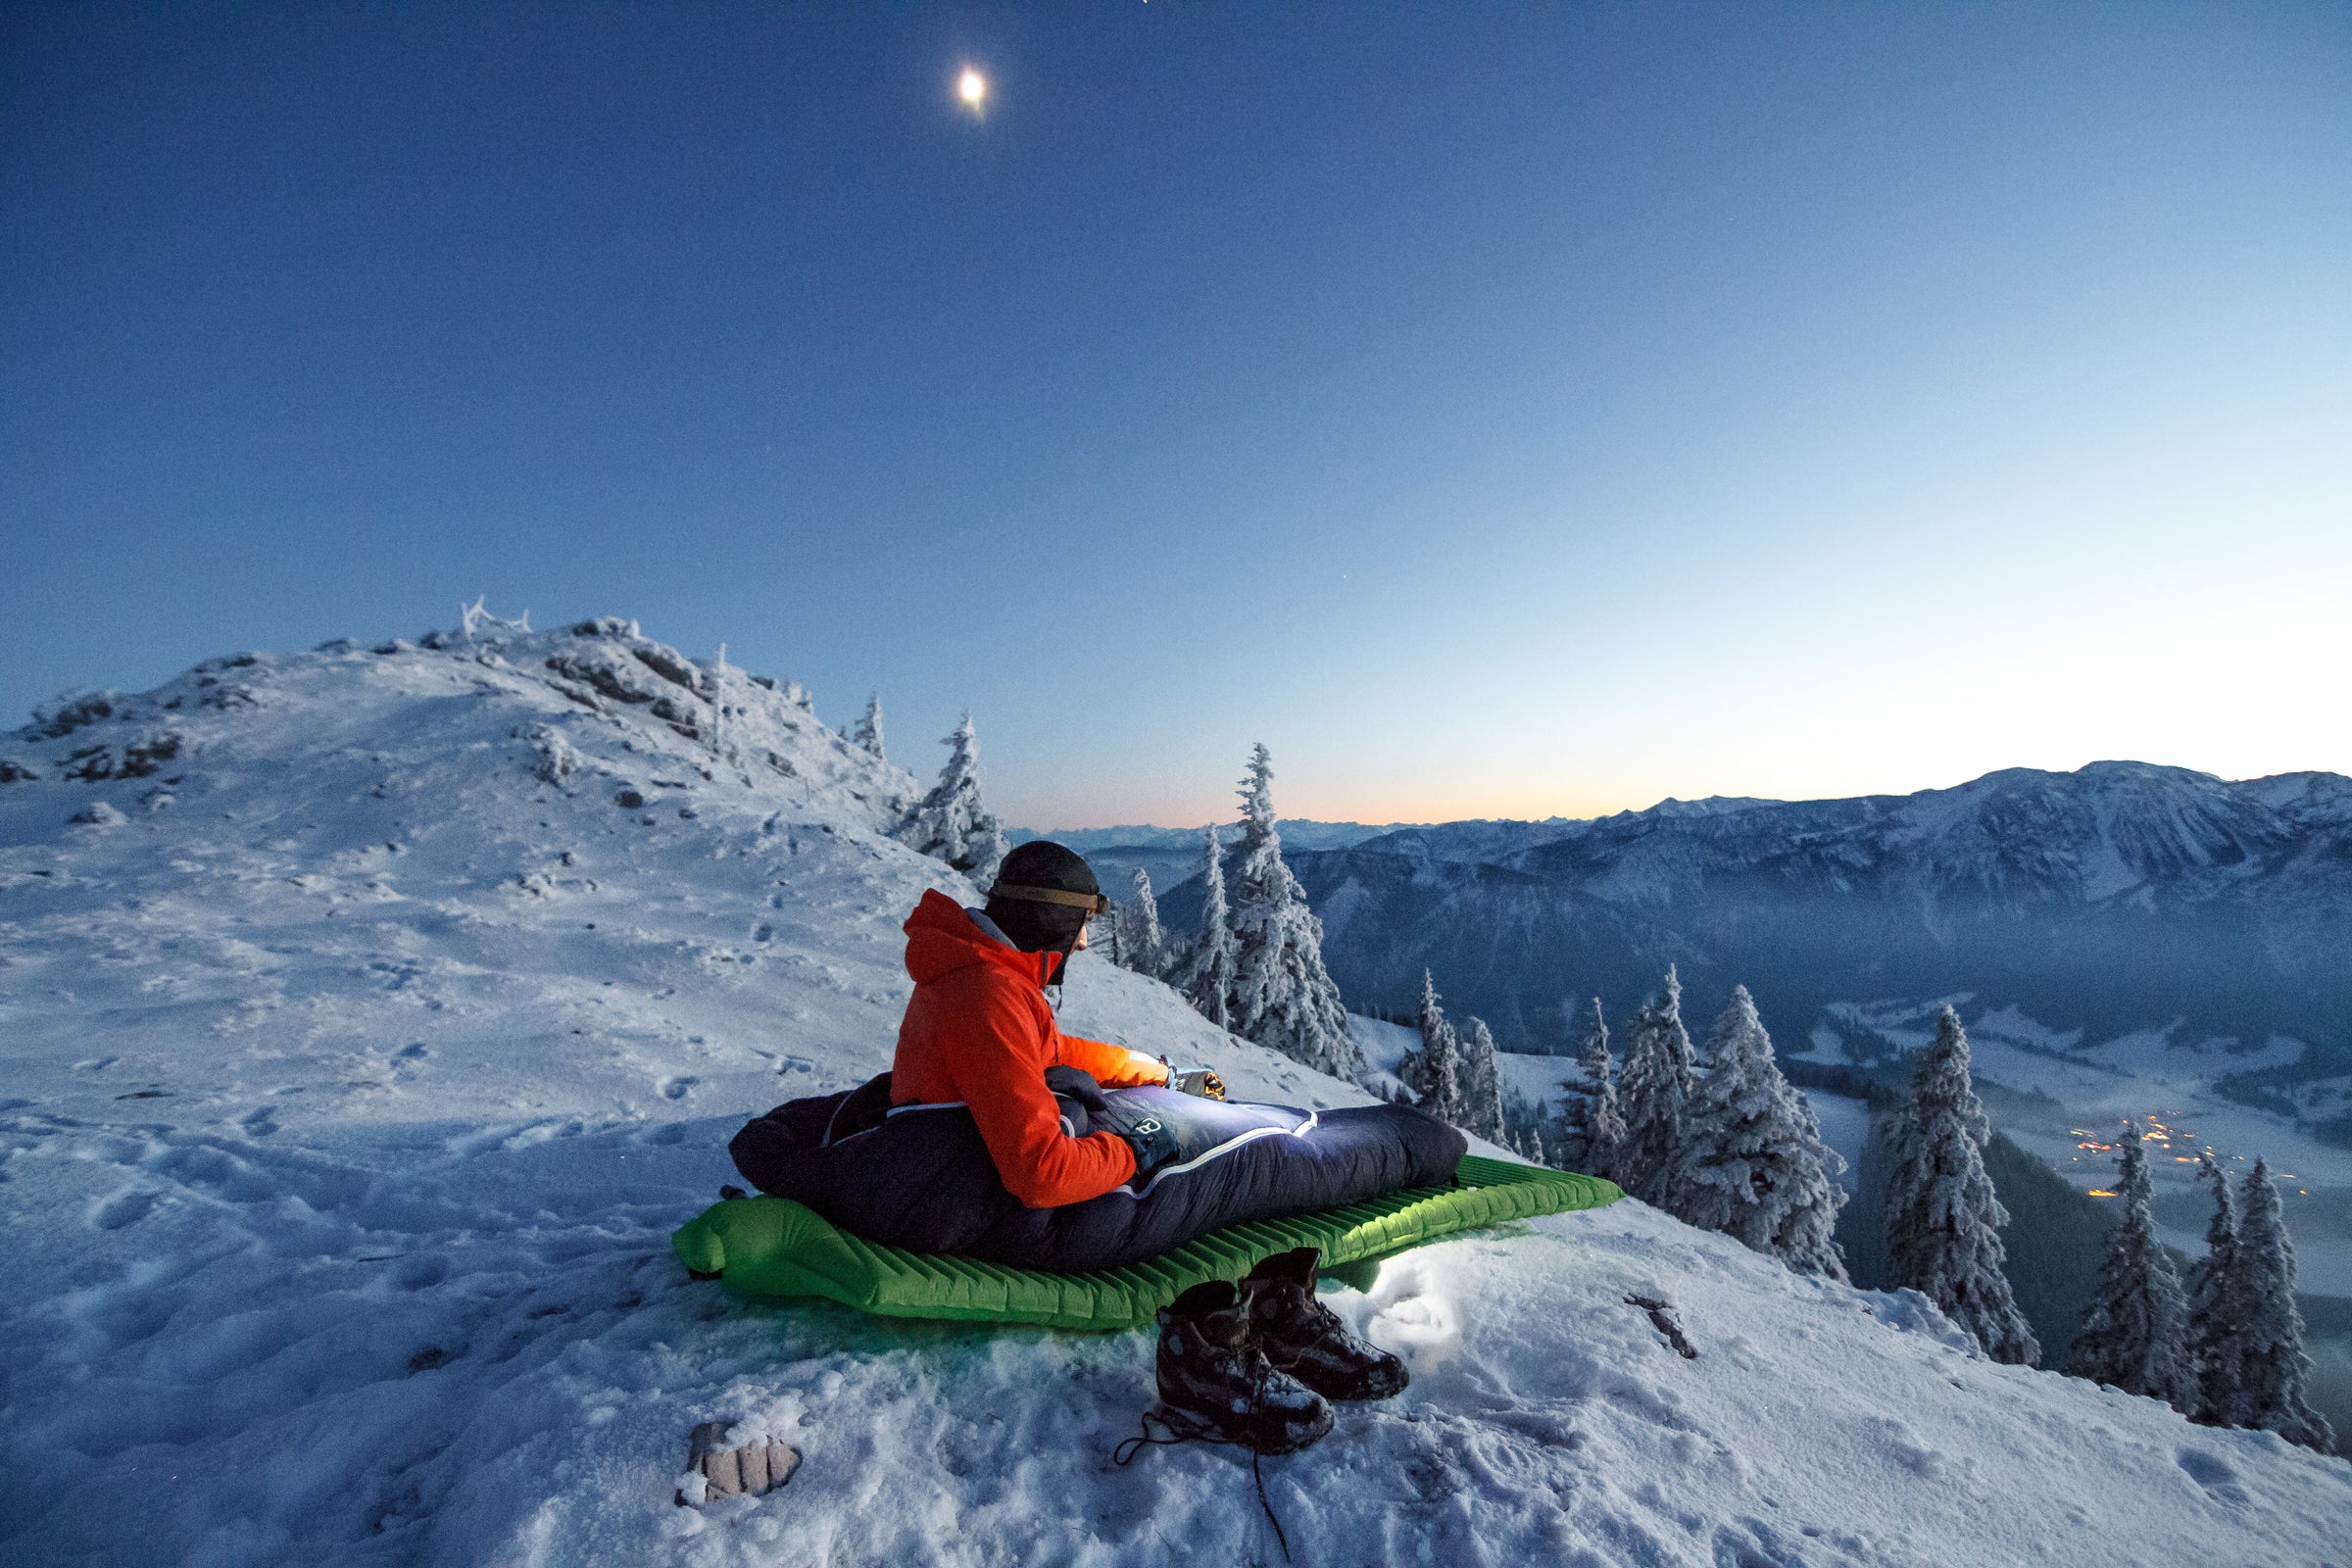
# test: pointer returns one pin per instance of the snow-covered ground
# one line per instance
(362, 1053)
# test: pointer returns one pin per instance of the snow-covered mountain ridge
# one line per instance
(363, 1049)
(2114, 899)
(2019, 840)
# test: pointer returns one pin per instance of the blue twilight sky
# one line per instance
(1497, 411)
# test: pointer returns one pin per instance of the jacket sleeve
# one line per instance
(999, 1070)
(1113, 1066)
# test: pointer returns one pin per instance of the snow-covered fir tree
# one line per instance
(1592, 1128)
(2211, 1314)
(866, 733)
(1652, 1090)
(1210, 983)
(1140, 936)
(2136, 1332)
(951, 823)
(1753, 1164)
(2272, 1371)
(1283, 996)
(1482, 1084)
(1525, 1123)
(1943, 1223)
(1434, 1071)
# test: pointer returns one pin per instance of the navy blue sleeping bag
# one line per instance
(920, 1177)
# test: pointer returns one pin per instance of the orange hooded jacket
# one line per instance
(978, 1030)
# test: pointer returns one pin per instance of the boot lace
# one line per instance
(1179, 1426)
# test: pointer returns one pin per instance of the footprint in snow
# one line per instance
(677, 1088)
(123, 1208)
(2213, 1473)
(419, 1272)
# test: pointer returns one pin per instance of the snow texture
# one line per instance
(355, 1081)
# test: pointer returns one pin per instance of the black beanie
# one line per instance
(1036, 927)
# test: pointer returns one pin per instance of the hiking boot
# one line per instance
(1210, 1369)
(1306, 1339)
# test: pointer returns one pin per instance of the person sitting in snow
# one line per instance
(981, 1060)
(1252, 1361)
(979, 1031)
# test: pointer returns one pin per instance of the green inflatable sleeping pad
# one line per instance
(775, 1247)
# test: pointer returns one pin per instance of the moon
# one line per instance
(972, 88)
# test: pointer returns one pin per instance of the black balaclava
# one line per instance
(1041, 927)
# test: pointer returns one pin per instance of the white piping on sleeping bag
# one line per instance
(1225, 1147)
(1164, 1172)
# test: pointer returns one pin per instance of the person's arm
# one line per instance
(1113, 1066)
(999, 1069)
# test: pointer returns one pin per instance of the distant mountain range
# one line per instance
(2120, 896)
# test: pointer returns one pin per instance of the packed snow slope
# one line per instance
(362, 1048)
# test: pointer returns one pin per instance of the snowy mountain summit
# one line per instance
(370, 1017)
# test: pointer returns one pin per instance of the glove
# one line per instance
(1198, 1081)
(1155, 1143)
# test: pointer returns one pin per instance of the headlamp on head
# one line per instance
(1093, 904)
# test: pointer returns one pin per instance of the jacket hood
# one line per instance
(942, 938)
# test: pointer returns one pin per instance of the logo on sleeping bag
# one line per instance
(1147, 1126)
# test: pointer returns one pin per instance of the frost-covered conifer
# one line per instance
(1591, 1130)
(2273, 1371)
(1533, 1151)
(1211, 983)
(1523, 1121)
(2135, 1332)
(1433, 1072)
(1139, 936)
(1753, 1164)
(1482, 1084)
(2211, 1314)
(1944, 1222)
(1283, 996)
(951, 823)
(1651, 1092)
(867, 733)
